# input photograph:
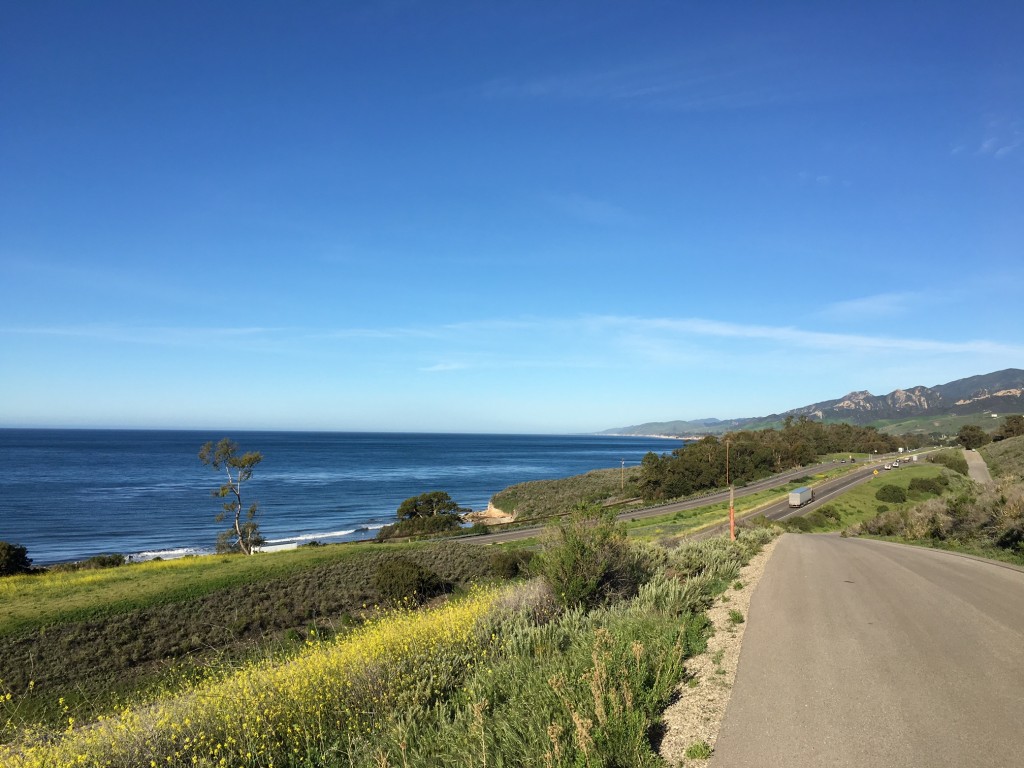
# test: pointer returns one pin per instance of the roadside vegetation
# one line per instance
(542, 498)
(81, 642)
(568, 660)
(936, 429)
(699, 467)
(434, 513)
(934, 504)
(1005, 458)
(564, 653)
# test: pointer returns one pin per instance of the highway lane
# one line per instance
(861, 652)
(823, 492)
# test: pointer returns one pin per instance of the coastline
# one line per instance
(144, 494)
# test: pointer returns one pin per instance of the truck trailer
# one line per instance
(801, 496)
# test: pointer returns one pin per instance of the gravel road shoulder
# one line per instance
(704, 695)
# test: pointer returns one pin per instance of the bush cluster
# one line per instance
(93, 563)
(891, 493)
(986, 518)
(14, 559)
(588, 561)
(951, 459)
(933, 485)
(402, 580)
(420, 526)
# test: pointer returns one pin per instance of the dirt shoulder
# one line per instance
(704, 696)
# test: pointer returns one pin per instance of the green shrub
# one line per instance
(14, 559)
(891, 493)
(926, 485)
(588, 561)
(801, 524)
(831, 512)
(402, 579)
(1012, 537)
(699, 750)
(952, 459)
(420, 526)
(95, 562)
(510, 563)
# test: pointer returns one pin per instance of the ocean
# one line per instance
(70, 494)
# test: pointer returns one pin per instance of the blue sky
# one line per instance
(507, 217)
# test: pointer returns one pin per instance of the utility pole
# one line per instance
(732, 509)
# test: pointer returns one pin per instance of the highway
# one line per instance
(867, 653)
(779, 511)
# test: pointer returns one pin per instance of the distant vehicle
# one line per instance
(896, 464)
(801, 496)
(842, 461)
(887, 466)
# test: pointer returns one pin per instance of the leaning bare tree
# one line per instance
(243, 536)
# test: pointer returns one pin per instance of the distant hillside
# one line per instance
(679, 428)
(1000, 392)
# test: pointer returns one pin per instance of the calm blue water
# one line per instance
(70, 494)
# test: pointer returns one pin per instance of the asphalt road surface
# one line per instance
(779, 511)
(865, 653)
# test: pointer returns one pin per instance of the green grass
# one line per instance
(1005, 458)
(678, 524)
(543, 498)
(95, 637)
(946, 424)
(859, 503)
(567, 687)
(59, 597)
(699, 750)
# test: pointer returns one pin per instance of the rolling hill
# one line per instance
(940, 408)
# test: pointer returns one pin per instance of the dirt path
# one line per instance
(977, 468)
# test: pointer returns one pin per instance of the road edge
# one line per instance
(703, 696)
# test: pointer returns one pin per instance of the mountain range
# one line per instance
(1000, 392)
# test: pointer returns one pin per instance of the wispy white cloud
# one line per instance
(871, 307)
(796, 337)
(557, 341)
(1002, 138)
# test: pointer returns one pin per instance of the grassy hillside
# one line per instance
(93, 637)
(518, 674)
(1005, 459)
(860, 503)
(946, 425)
(543, 498)
(964, 516)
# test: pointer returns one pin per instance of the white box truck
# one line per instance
(801, 496)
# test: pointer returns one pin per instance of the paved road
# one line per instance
(823, 491)
(864, 653)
